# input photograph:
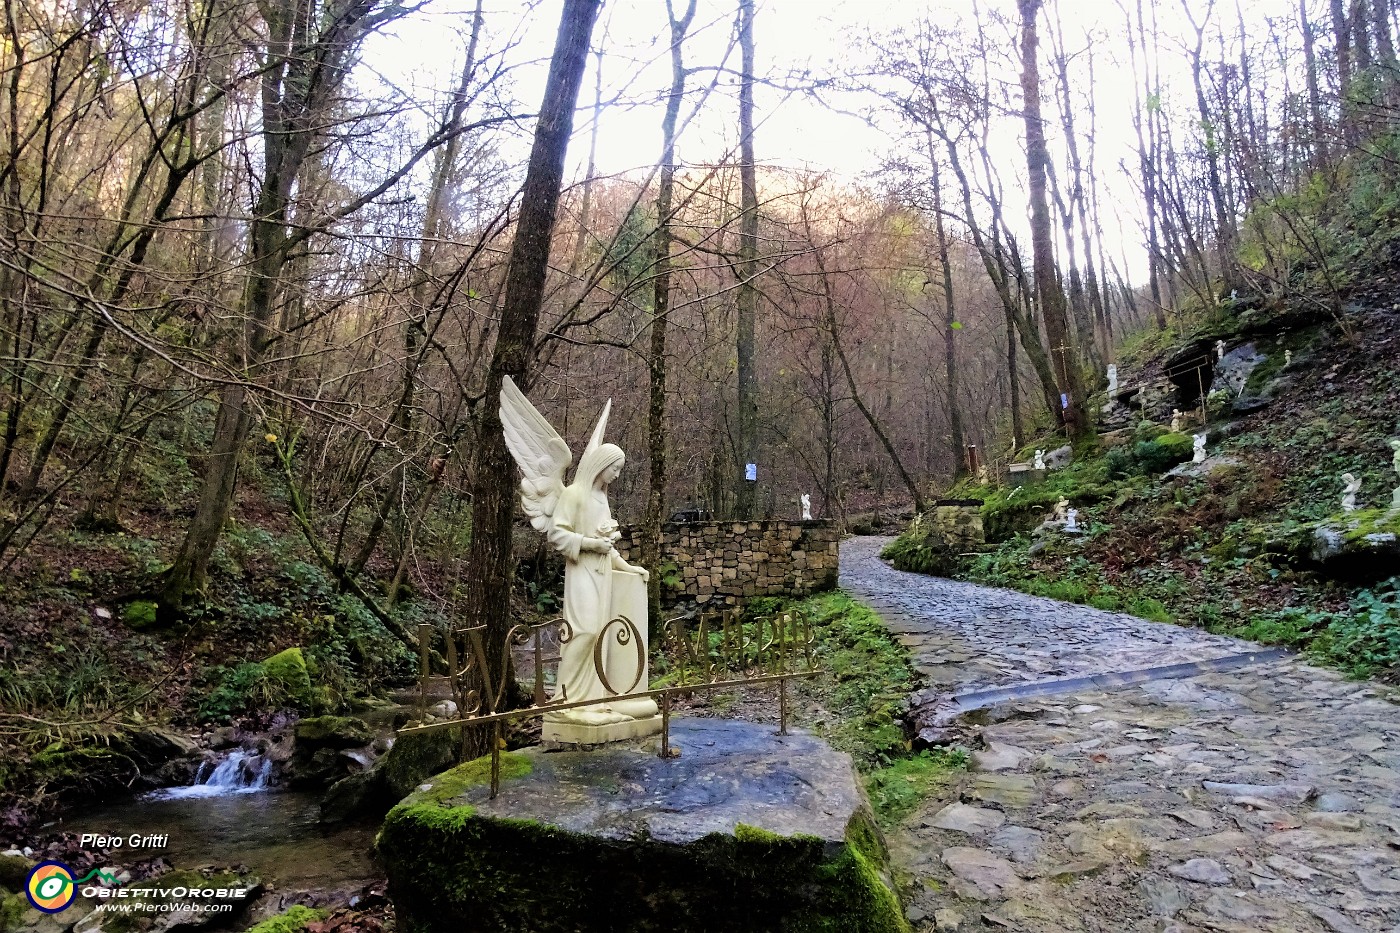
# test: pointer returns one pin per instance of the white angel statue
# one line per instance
(600, 587)
(1349, 491)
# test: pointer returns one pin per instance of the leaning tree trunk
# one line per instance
(493, 485)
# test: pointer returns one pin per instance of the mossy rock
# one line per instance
(569, 845)
(12, 910)
(286, 673)
(417, 756)
(1164, 452)
(333, 732)
(14, 871)
(140, 614)
(1149, 431)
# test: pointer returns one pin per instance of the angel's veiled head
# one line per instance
(603, 462)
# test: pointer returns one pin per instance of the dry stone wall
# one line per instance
(723, 563)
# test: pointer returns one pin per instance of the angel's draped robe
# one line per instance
(588, 606)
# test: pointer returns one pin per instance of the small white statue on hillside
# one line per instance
(983, 477)
(1061, 513)
(1395, 496)
(1198, 448)
(806, 507)
(1072, 520)
(1040, 460)
(1353, 486)
(1219, 350)
(1112, 379)
(1176, 420)
(1287, 358)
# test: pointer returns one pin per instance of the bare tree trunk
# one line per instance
(747, 301)
(487, 601)
(1052, 298)
(1224, 222)
(950, 319)
(1319, 126)
(661, 306)
(1341, 31)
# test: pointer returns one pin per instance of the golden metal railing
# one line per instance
(721, 651)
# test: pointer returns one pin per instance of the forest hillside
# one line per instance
(265, 268)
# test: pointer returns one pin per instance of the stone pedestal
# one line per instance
(573, 733)
(627, 669)
(1023, 474)
(746, 830)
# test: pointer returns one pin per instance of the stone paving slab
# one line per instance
(1259, 798)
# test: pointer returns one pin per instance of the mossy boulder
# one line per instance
(417, 756)
(1361, 547)
(140, 614)
(333, 732)
(14, 871)
(1164, 452)
(12, 909)
(287, 675)
(746, 830)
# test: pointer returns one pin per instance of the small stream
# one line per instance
(231, 816)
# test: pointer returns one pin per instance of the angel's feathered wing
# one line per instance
(538, 450)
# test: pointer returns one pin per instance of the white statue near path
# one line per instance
(1198, 448)
(1040, 460)
(806, 507)
(1219, 350)
(1395, 496)
(1072, 520)
(1112, 380)
(1176, 420)
(600, 588)
(1353, 486)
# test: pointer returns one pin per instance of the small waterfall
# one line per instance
(240, 773)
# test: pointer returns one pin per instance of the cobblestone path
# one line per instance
(1140, 777)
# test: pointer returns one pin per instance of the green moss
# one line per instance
(866, 678)
(897, 789)
(14, 871)
(294, 919)
(434, 808)
(334, 731)
(286, 670)
(1164, 452)
(139, 614)
(1367, 522)
(417, 756)
(868, 899)
(919, 553)
(12, 910)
